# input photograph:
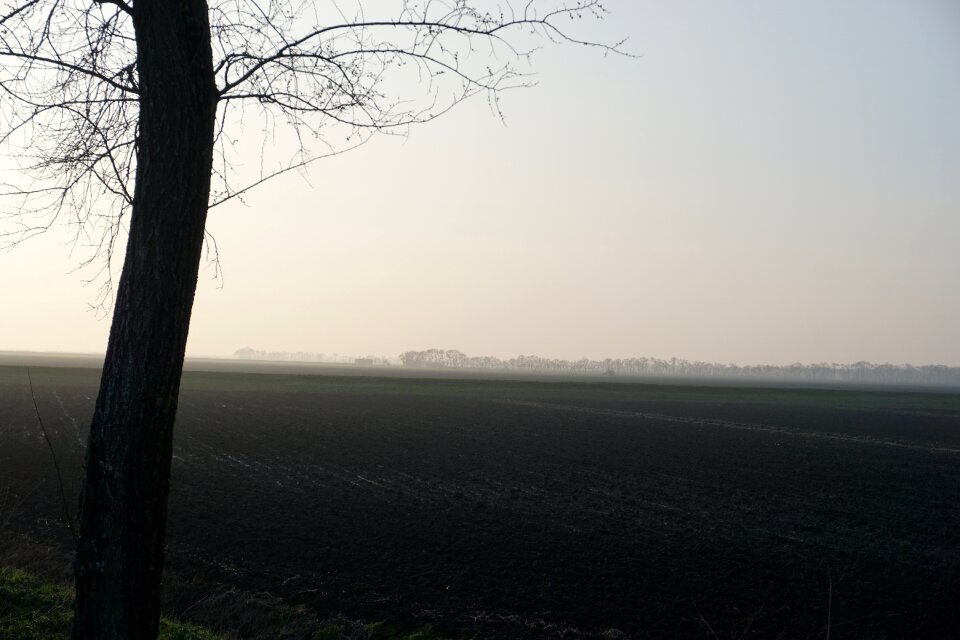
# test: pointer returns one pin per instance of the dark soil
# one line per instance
(536, 510)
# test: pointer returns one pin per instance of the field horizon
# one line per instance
(211, 364)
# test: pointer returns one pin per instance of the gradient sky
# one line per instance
(769, 182)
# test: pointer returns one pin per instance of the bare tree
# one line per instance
(129, 117)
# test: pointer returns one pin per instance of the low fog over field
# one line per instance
(453, 360)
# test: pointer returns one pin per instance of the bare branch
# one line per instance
(67, 66)
(56, 464)
(127, 9)
(296, 166)
(292, 75)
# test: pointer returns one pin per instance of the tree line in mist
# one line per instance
(828, 372)
(308, 356)
(862, 372)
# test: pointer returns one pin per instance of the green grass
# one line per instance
(34, 610)
(31, 609)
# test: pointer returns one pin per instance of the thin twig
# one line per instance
(704, 621)
(750, 621)
(56, 465)
(829, 602)
(198, 602)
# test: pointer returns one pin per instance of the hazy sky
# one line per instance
(769, 182)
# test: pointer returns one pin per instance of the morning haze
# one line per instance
(766, 183)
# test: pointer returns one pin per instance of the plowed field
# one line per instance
(498, 509)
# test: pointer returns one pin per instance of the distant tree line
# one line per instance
(247, 353)
(858, 372)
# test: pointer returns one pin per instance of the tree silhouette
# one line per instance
(126, 115)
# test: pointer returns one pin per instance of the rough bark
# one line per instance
(124, 505)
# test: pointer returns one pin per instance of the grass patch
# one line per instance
(34, 610)
(31, 609)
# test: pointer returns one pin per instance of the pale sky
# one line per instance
(769, 182)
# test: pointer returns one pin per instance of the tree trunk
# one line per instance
(124, 505)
